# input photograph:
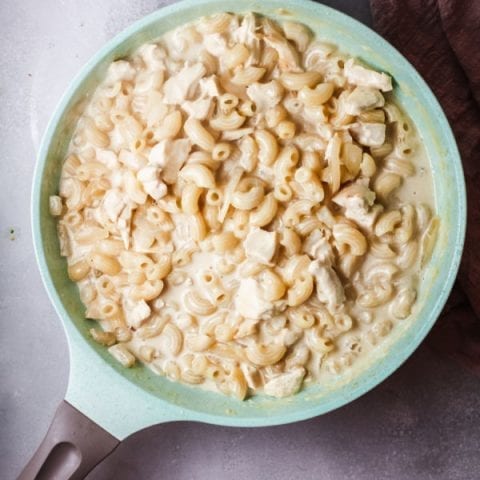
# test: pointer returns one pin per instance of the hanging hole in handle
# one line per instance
(72, 447)
(62, 462)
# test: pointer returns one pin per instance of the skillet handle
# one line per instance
(72, 447)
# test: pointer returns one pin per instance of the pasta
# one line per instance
(243, 208)
(248, 75)
(232, 121)
(268, 147)
(198, 174)
(198, 134)
(316, 96)
(190, 197)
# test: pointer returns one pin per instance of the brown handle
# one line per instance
(73, 445)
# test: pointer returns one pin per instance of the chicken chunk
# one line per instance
(199, 109)
(170, 155)
(247, 35)
(316, 245)
(113, 204)
(286, 384)
(328, 286)
(136, 314)
(180, 87)
(288, 57)
(249, 301)
(260, 245)
(369, 134)
(265, 95)
(357, 199)
(215, 44)
(149, 177)
(209, 87)
(362, 99)
(364, 77)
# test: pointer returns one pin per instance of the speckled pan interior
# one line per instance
(126, 400)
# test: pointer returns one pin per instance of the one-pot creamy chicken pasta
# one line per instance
(243, 207)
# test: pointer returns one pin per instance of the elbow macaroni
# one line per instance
(237, 221)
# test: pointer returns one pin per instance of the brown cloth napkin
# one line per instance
(441, 38)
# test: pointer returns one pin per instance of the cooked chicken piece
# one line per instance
(137, 314)
(265, 95)
(260, 245)
(149, 177)
(170, 155)
(249, 301)
(209, 87)
(364, 77)
(288, 57)
(200, 108)
(328, 285)
(357, 199)
(316, 245)
(368, 134)
(247, 35)
(215, 44)
(285, 384)
(113, 204)
(181, 87)
(362, 99)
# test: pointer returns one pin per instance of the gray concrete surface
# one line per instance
(423, 423)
